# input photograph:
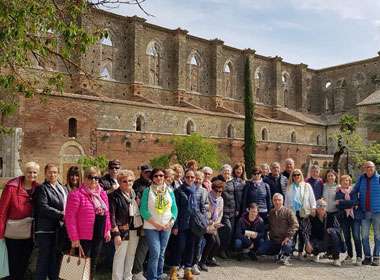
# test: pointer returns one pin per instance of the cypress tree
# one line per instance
(249, 122)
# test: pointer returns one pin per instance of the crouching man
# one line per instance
(283, 225)
(249, 234)
(322, 234)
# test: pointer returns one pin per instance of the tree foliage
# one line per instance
(348, 123)
(40, 34)
(162, 161)
(99, 161)
(249, 123)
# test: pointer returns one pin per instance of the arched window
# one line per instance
(140, 123)
(319, 140)
(230, 131)
(285, 78)
(106, 41)
(341, 83)
(154, 56)
(72, 127)
(259, 78)
(105, 73)
(227, 76)
(264, 134)
(189, 127)
(286, 98)
(194, 73)
(293, 138)
(328, 84)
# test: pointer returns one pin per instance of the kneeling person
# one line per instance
(250, 232)
(322, 233)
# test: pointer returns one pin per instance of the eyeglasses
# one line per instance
(296, 175)
(127, 181)
(90, 177)
(190, 177)
(207, 173)
(114, 167)
(218, 191)
(158, 175)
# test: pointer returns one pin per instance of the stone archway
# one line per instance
(69, 155)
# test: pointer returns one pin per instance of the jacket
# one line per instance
(106, 182)
(258, 193)
(282, 223)
(140, 185)
(317, 185)
(245, 224)
(361, 190)
(230, 208)
(314, 228)
(239, 185)
(48, 208)
(307, 199)
(119, 213)
(80, 215)
(347, 204)
(15, 202)
(276, 184)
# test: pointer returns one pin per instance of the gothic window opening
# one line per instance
(293, 138)
(285, 78)
(190, 127)
(140, 123)
(105, 73)
(319, 140)
(106, 41)
(154, 57)
(72, 127)
(328, 84)
(194, 72)
(227, 75)
(230, 132)
(286, 98)
(264, 134)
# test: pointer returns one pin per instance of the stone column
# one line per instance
(339, 100)
(278, 97)
(301, 92)
(217, 64)
(137, 50)
(180, 60)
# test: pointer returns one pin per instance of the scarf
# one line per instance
(161, 203)
(190, 192)
(346, 192)
(207, 185)
(134, 212)
(213, 206)
(97, 201)
(297, 203)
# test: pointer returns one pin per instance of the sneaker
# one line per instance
(367, 261)
(212, 262)
(284, 260)
(358, 261)
(203, 267)
(163, 276)
(376, 261)
(139, 276)
(195, 270)
(348, 260)
(337, 263)
(316, 258)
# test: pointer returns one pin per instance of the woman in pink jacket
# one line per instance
(87, 216)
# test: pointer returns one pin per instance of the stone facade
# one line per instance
(155, 83)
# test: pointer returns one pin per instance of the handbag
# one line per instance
(19, 229)
(4, 266)
(75, 268)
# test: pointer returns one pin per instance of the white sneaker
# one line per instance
(337, 263)
(195, 270)
(316, 258)
(347, 260)
(359, 261)
(139, 276)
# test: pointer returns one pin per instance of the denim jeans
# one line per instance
(244, 243)
(351, 227)
(226, 232)
(374, 219)
(184, 249)
(356, 232)
(271, 247)
(157, 241)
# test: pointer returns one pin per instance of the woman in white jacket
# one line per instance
(300, 199)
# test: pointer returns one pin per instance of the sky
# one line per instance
(319, 33)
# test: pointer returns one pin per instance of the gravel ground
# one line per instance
(305, 270)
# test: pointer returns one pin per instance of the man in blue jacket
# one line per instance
(367, 189)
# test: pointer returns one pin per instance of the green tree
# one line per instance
(249, 122)
(348, 123)
(99, 161)
(42, 32)
(162, 161)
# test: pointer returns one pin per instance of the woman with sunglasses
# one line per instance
(300, 199)
(159, 211)
(257, 191)
(126, 225)
(87, 216)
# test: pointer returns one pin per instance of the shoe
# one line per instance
(173, 274)
(180, 272)
(223, 254)
(347, 260)
(195, 270)
(358, 261)
(376, 261)
(252, 256)
(203, 267)
(242, 256)
(366, 261)
(212, 262)
(188, 275)
(337, 263)
(163, 276)
(316, 258)
(139, 276)
(284, 260)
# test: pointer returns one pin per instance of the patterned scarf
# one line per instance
(161, 203)
(297, 203)
(346, 192)
(97, 201)
(213, 206)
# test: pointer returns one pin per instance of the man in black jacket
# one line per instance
(144, 181)
(109, 181)
(276, 181)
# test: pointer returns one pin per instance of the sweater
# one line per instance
(282, 224)
(80, 215)
(329, 193)
(361, 189)
(148, 211)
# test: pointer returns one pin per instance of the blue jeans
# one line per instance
(271, 247)
(351, 227)
(157, 241)
(244, 243)
(184, 249)
(356, 228)
(374, 219)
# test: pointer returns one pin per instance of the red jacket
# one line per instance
(15, 202)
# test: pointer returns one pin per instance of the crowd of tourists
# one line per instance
(177, 222)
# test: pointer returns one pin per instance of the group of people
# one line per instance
(181, 218)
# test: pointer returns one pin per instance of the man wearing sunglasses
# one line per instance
(109, 181)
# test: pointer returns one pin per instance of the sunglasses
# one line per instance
(127, 181)
(90, 177)
(115, 167)
(296, 175)
(207, 173)
(218, 191)
(190, 177)
(158, 175)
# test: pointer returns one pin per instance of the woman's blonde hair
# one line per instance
(31, 165)
(290, 181)
(89, 170)
(344, 177)
(125, 173)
